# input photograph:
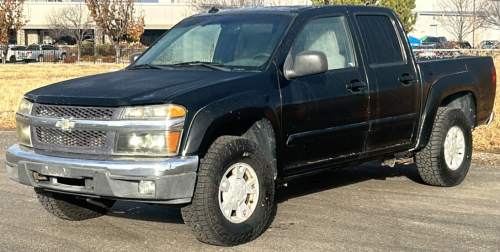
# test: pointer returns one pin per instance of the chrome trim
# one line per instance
(116, 125)
(168, 166)
(490, 119)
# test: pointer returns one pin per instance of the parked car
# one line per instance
(489, 44)
(13, 53)
(460, 45)
(436, 42)
(265, 96)
(41, 52)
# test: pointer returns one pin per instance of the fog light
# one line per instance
(147, 187)
(13, 171)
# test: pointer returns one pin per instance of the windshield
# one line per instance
(236, 42)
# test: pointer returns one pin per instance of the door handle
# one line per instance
(355, 86)
(406, 79)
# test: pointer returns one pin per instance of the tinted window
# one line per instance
(327, 35)
(381, 41)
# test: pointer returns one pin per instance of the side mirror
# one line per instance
(134, 56)
(305, 63)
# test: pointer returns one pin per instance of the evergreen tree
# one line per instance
(401, 7)
(403, 10)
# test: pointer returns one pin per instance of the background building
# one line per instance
(161, 15)
(429, 24)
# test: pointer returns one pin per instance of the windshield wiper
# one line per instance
(211, 65)
(144, 66)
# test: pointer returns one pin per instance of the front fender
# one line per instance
(442, 88)
(237, 107)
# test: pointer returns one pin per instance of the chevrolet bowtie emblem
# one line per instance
(65, 124)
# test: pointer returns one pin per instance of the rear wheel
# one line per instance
(63, 56)
(446, 159)
(40, 58)
(234, 196)
(72, 208)
(12, 59)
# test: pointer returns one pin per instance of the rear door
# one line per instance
(394, 89)
(49, 51)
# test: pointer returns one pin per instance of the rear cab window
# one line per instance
(380, 39)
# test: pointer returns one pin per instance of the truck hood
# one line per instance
(129, 87)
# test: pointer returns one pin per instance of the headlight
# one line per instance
(25, 107)
(147, 143)
(23, 130)
(23, 133)
(154, 112)
(151, 143)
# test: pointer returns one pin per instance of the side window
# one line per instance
(328, 35)
(380, 39)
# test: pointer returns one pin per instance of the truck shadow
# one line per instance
(296, 188)
(145, 212)
(344, 177)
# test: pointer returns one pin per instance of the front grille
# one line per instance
(74, 138)
(75, 112)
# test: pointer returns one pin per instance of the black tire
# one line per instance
(63, 56)
(40, 58)
(431, 162)
(12, 59)
(72, 208)
(204, 216)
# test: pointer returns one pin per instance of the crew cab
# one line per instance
(229, 104)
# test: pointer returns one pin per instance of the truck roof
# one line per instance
(296, 9)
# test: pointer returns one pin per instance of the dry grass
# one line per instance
(18, 79)
(489, 138)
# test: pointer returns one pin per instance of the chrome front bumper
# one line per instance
(173, 178)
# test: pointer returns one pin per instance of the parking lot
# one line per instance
(369, 208)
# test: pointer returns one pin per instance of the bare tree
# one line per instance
(459, 17)
(73, 21)
(11, 17)
(116, 18)
(205, 5)
(491, 14)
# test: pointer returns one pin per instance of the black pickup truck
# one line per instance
(229, 104)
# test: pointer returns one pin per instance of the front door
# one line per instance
(325, 116)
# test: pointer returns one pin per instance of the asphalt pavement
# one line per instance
(368, 208)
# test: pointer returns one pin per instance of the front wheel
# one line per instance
(233, 201)
(446, 159)
(73, 208)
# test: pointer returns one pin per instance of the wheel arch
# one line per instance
(454, 91)
(250, 115)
